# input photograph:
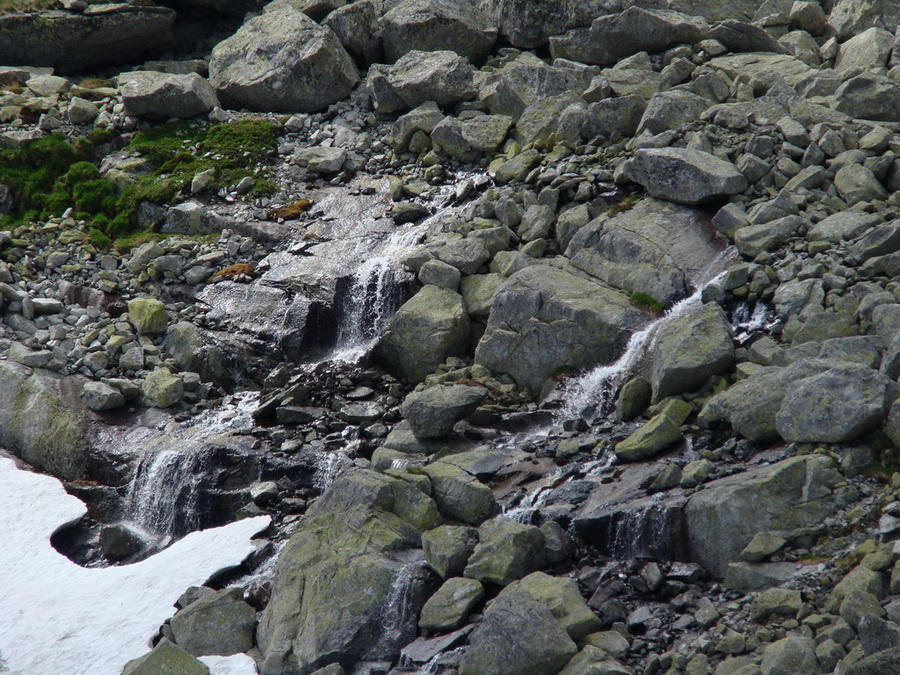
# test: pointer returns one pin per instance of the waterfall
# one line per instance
(591, 395)
(399, 613)
(746, 322)
(643, 533)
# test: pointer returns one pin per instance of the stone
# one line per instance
(148, 316)
(119, 541)
(160, 96)
(81, 111)
(99, 396)
(881, 663)
(790, 656)
(856, 184)
(165, 658)
(544, 319)
(518, 636)
(684, 176)
(430, 26)
(621, 115)
(282, 61)
(468, 140)
(459, 494)
(439, 273)
(320, 160)
(867, 51)
(356, 26)
(877, 635)
(670, 109)
(744, 577)
(869, 97)
(762, 546)
(650, 439)
(75, 42)
(633, 398)
(723, 518)
(691, 349)
(612, 642)
(433, 411)
(467, 255)
(860, 580)
(451, 604)
(835, 406)
(218, 623)
(562, 597)
(755, 239)
(162, 389)
(843, 226)
(506, 551)
(740, 36)
(443, 77)
(448, 547)
(423, 333)
(780, 602)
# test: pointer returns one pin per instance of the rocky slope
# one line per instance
(565, 339)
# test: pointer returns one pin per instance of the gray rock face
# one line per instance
(870, 97)
(73, 42)
(835, 406)
(447, 548)
(218, 623)
(656, 247)
(685, 176)
(282, 61)
(690, 350)
(450, 605)
(160, 96)
(443, 77)
(424, 332)
(429, 26)
(724, 517)
(432, 412)
(544, 319)
(869, 50)
(518, 636)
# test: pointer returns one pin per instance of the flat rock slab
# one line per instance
(685, 176)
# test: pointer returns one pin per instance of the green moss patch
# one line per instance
(646, 302)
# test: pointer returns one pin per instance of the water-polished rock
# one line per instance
(282, 61)
(685, 176)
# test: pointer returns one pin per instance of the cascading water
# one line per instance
(591, 395)
(746, 322)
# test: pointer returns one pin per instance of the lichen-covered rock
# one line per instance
(429, 26)
(217, 356)
(506, 551)
(424, 332)
(469, 139)
(162, 389)
(691, 349)
(459, 494)
(791, 656)
(870, 97)
(99, 396)
(443, 77)
(450, 605)
(685, 176)
(656, 435)
(544, 319)
(562, 597)
(282, 61)
(433, 411)
(156, 95)
(148, 316)
(518, 636)
(166, 658)
(448, 547)
(218, 623)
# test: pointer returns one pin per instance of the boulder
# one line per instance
(459, 494)
(684, 176)
(443, 77)
(162, 389)
(450, 606)
(851, 17)
(791, 656)
(670, 109)
(723, 518)
(356, 26)
(71, 42)
(843, 226)
(880, 663)
(160, 96)
(467, 140)
(518, 636)
(429, 26)
(869, 97)
(448, 547)
(656, 435)
(740, 36)
(506, 551)
(528, 23)
(353, 549)
(835, 406)
(148, 316)
(868, 51)
(856, 183)
(545, 319)
(320, 160)
(218, 623)
(690, 349)
(282, 61)
(423, 333)
(562, 597)
(755, 239)
(218, 357)
(621, 115)
(433, 411)
(99, 396)
(165, 658)
(656, 247)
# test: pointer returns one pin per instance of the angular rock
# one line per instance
(506, 551)
(154, 95)
(869, 97)
(148, 316)
(867, 51)
(450, 606)
(459, 495)
(790, 656)
(166, 658)
(856, 184)
(654, 436)
(423, 333)
(282, 61)
(684, 176)
(320, 160)
(443, 77)
(430, 26)
(99, 396)
(448, 547)
(356, 26)
(162, 389)
(562, 597)
(219, 623)
(467, 140)
(433, 411)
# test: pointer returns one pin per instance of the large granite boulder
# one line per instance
(218, 623)
(851, 17)
(443, 77)
(434, 25)
(424, 332)
(282, 61)
(685, 176)
(356, 26)
(545, 319)
(433, 411)
(155, 95)
(166, 658)
(562, 597)
(870, 50)
(656, 247)
(518, 636)
(72, 42)
(869, 96)
(459, 494)
(690, 349)
(350, 554)
(723, 518)
(528, 23)
(43, 421)
(506, 551)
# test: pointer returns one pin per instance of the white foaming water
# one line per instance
(591, 394)
(59, 617)
(746, 323)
